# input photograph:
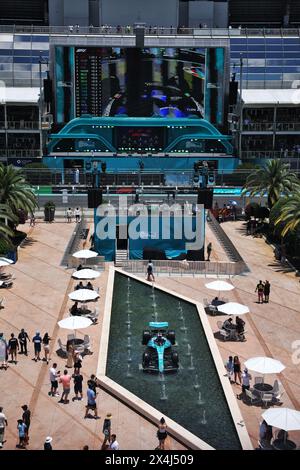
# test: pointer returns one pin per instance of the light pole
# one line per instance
(241, 106)
(42, 60)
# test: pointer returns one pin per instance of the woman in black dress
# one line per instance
(162, 433)
(237, 369)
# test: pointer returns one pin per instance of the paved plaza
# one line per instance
(38, 300)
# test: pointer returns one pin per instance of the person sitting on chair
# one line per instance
(240, 328)
(79, 286)
(79, 267)
(228, 325)
(89, 286)
(74, 310)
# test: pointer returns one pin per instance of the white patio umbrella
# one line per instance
(83, 295)
(5, 262)
(264, 365)
(219, 285)
(86, 274)
(233, 308)
(283, 418)
(85, 254)
(75, 323)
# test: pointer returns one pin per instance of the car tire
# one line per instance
(175, 358)
(171, 336)
(146, 337)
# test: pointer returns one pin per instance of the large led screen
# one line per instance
(135, 82)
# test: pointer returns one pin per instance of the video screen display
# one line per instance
(140, 138)
(135, 82)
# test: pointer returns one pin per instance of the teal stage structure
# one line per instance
(174, 237)
(123, 142)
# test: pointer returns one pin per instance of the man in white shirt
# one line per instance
(3, 424)
(69, 215)
(54, 374)
(77, 214)
(246, 377)
(114, 445)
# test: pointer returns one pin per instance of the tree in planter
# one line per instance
(49, 211)
(275, 179)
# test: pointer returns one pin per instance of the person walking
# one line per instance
(229, 368)
(237, 369)
(106, 430)
(69, 215)
(77, 214)
(209, 250)
(46, 340)
(3, 425)
(3, 352)
(162, 433)
(26, 419)
(91, 402)
(32, 220)
(37, 342)
(246, 377)
(21, 426)
(78, 379)
(23, 337)
(77, 363)
(47, 443)
(150, 275)
(260, 292)
(13, 346)
(54, 376)
(65, 380)
(267, 288)
(114, 445)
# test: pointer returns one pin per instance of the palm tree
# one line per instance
(274, 178)
(286, 213)
(5, 231)
(15, 193)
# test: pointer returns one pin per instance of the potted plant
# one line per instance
(49, 211)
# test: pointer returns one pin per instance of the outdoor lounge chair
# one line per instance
(252, 397)
(267, 398)
(224, 334)
(87, 343)
(5, 285)
(62, 347)
(94, 316)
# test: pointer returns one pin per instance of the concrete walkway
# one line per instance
(271, 328)
(36, 302)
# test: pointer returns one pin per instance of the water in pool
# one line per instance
(193, 397)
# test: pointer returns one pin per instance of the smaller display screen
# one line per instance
(145, 139)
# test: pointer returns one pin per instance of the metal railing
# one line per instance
(270, 126)
(185, 268)
(24, 125)
(21, 153)
(254, 154)
(227, 244)
(152, 31)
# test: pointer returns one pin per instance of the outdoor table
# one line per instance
(82, 312)
(279, 444)
(262, 388)
(232, 332)
(76, 341)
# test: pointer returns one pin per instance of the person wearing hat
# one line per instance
(47, 443)
(106, 429)
(246, 377)
(37, 342)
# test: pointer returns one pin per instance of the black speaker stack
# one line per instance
(205, 196)
(94, 198)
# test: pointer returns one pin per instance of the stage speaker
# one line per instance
(233, 93)
(94, 198)
(139, 37)
(47, 89)
(205, 196)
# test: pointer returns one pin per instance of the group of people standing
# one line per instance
(263, 291)
(76, 214)
(19, 345)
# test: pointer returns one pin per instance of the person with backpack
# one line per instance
(150, 275)
(260, 292)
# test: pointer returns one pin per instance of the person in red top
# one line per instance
(65, 380)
